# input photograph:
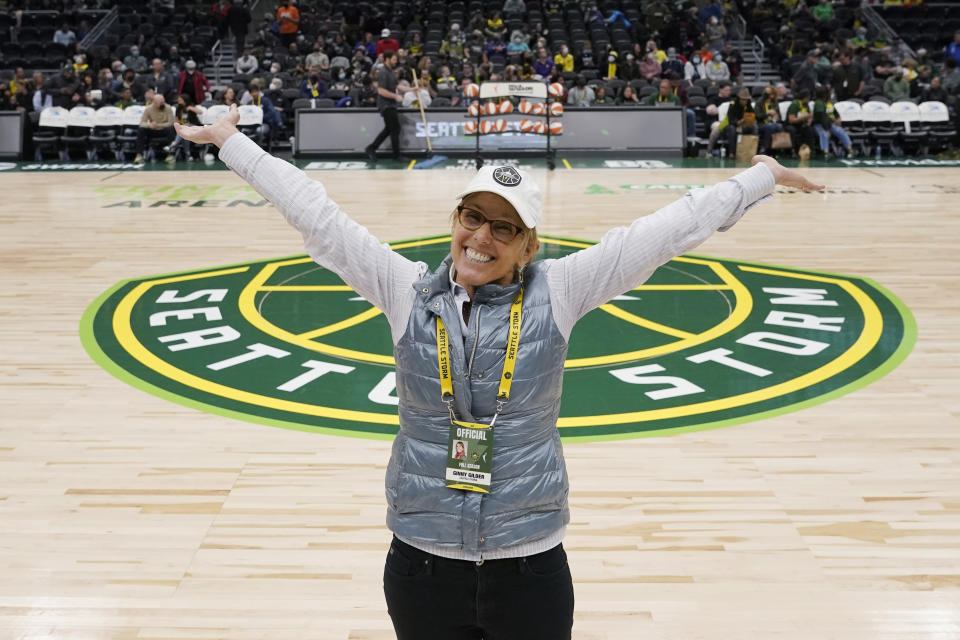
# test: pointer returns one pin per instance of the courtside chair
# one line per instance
(80, 123)
(103, 138)
(129, 128)
(50, 128)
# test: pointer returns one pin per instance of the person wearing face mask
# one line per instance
(672, 64)
(517, 45)
(135, 61)
(247, 63)
(715, 34)
(611, 65)
(193, 83)
(480, 554)
(649, 67)
(313, 86)
(694, 69)
(564, 59)
(580, 94)
(717, 70)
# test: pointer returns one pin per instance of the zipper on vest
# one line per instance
(476, 338)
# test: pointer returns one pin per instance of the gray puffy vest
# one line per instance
(528, 493)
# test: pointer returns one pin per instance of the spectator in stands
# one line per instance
(741, 117)
(476, 47)
(800, 120)
(587, 60)
(564, 59)
(105, 84)
(495, 28)
(66, 88)
(935, 91)
(219, 12)
(125, 99)
(386, 43)
(469, 72)
(64, 35)
(695, 69)
(445, 80)
(611, 67)
(896, 86)
(951, 75)
(496, 48)
(768, 117)
(317, 58)
(847, 79)
(805, 78)
(860, 39)
(188, 113)
(360, 63)
(41, 98)
(580, 94)
(272, 123)
(649, 67)
(952, 50)
(733, 60)
(247, 64)
(885, 66)
(600, 96)
(514, 9)
(175, 62)
(922, 82)
(543, 65)
(156, 125)
(711, 10)
(292, 60)
(629, 70)
(452, 46)
(313, 86)
(593, 15)
(238, 19)
(518, 46)
(18, 83)
(136, 61)
(229, 97)
(782, 90)
(672, 63)
(387, 101)
(715, 33)
(415, 47)
(717, 70)
(80, 63)
(193, 83)
(159, 80)
(663, 96)
(288, 22)
(628, 98)
(899, 51)
(826, 122)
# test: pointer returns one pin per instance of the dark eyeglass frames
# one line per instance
(501, 230)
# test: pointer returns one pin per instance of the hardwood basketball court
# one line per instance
(124, 515)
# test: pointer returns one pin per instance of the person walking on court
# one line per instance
(387, 100)
(480, 344)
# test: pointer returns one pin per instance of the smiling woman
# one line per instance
(480, 343)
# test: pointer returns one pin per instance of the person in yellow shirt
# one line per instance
(564, 59)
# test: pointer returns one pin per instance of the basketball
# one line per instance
(555, 89)
(538, 109)
(474, 110)
(556, 128)
(472, 90)
(490, 108)
(556, 109)
(470, 128)
(500, 125)
(525, 106)
(539, 127)
(506, 107)
(526, 126)
(486, 127)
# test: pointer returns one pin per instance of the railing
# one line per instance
(99, 29)
(216, 51)
(880, 26)
(759, 52)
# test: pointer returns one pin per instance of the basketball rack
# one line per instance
(489, 91)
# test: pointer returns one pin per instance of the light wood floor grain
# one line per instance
(124, 516)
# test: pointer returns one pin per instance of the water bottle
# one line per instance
(723, 153)
(878, 151)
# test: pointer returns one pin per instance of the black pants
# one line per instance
(433, 598)
(147, 136)
(391, 127)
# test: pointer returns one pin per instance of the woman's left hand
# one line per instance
(787, 177)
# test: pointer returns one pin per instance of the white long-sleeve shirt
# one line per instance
(579, 282)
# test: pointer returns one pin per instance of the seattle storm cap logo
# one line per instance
(507, 176)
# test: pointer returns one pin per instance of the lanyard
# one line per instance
(506, 378)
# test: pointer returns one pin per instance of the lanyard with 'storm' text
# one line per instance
(470, 445)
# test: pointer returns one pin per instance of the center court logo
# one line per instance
(704, 343)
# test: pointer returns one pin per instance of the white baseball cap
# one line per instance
(514, 186)
(385, 33)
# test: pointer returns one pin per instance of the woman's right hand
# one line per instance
(216, 133)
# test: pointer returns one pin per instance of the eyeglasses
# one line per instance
(501, 230)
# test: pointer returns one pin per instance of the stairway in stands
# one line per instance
(755, 73)
(227, 64)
